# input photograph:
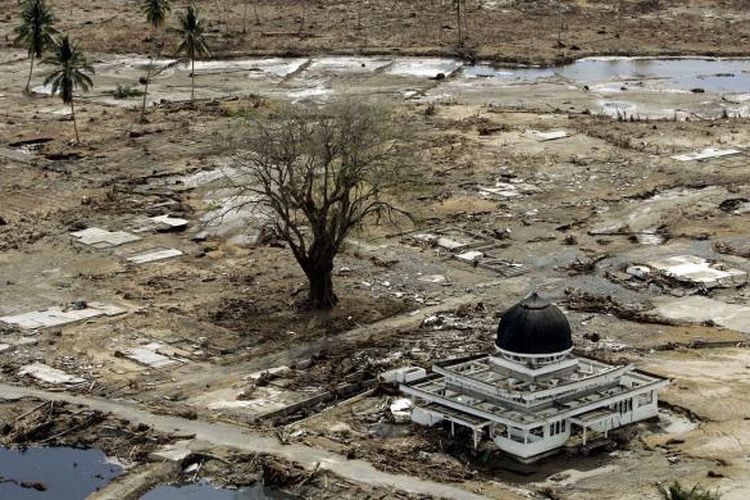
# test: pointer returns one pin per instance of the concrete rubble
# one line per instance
(150, 356)
(706, 154)
(551, 135)
(692, 270)
(49, 375)
(102, 238)
(57, 316)
(153, 255)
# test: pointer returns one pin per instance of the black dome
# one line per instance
(534, 326)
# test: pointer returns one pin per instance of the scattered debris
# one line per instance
(697, 271)
(401, 410)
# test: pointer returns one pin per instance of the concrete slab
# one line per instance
(50, 375)
(698, 309)
(552, 135)
(154, 255)
(147, 355)
(101, 238)
(450, 244)
(698, 271)
(174, 222)
(57, 316)
(706, 154)
(471, 256)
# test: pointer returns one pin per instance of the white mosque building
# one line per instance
(532, 395)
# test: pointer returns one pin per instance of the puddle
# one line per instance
(62, 472)
(423, 67)
(206, 491)
(511, 74)
(712, 75)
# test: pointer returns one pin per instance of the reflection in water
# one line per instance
(204, 490)
(53, 473)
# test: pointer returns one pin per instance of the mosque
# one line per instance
(532, 395)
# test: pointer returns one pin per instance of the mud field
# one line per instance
(138, 324)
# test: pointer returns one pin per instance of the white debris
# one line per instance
(154, 255)
(174, 222)
(640, 272)
(4, 347)
(439, 279)
(148, 355)
(706, 154)
(450, 244)
(401, 410)
(401, 375)
(278, 370)
(49, 375)
(471, 256)
(101, 238)
(548, 136)
(56, 316)
(507, 189)
(698, 271)
(175, 453)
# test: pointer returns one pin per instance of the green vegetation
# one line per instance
(156, 14)
(192, 41)
(676, 491)
(125, 91)
(73, 72)
(36, 31)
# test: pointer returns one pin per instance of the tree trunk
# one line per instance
(148, 77)
(321, 294)
(75, 125)
(192, 79)
(31, 70)
(460, 28)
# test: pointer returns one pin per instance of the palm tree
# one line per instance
(156, 14)
(193, 41)
(73, 72)
(35, 32)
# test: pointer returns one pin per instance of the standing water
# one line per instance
(206, 491)
(53, 473)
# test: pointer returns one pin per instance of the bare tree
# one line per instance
(317, 175)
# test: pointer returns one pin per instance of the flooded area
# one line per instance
(204, 490)
(53, 473)
(622, 87)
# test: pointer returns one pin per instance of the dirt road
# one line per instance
(233, 436)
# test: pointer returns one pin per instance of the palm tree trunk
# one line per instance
(192, 78)
(458, 19)
(75, 125)
(148, 77)
(244, 17)
(31, 70)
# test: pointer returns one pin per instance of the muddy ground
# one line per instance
(503, 30)
(567, 216)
